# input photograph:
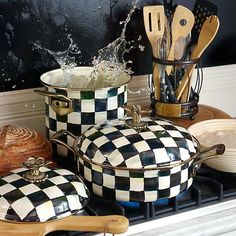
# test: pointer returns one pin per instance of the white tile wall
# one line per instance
(26, 108)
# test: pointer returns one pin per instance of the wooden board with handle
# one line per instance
(114, 224)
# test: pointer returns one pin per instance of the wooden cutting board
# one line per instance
(113, 224)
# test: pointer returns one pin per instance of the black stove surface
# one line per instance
(209, 187)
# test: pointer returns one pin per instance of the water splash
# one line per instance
(65, 60)
(110, 68)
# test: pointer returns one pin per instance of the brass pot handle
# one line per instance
(55, 138)
(61, 104)
(208, 153)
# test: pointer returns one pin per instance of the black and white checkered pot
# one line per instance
(60, 195)
(119, 163)
(77, 109)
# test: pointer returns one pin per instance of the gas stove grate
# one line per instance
(209, 187)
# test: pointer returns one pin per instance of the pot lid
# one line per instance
(60, 194)
(153, 144)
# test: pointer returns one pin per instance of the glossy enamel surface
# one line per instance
(60, 195)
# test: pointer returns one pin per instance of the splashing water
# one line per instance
(65, 60)
(109, 67)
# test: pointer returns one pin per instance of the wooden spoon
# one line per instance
(207, 34)
(181, 26)
(114, 224)
(154, 22)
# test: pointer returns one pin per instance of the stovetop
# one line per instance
(209, 187)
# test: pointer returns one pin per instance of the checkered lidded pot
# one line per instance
(48, 195)
(77, 109)
(133, 160)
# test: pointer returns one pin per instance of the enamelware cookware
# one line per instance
(77, 108)
(37, 200)
(138, 159)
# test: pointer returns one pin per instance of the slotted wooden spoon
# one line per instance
(114, 224)
(181, 26)
(207, 34)
(154, 23)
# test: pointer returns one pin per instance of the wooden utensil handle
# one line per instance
(156, 81)
(184, 82)
(114, 224)
(170, 58)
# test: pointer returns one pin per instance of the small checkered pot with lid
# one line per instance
(138, 159)
(36, 193)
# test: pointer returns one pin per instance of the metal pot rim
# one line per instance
(161, 166)
(79, 89)
(194, 157)
(157, 168)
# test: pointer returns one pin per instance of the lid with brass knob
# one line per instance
(38, 193)
(135, 142)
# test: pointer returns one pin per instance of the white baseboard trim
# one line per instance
(26, 108)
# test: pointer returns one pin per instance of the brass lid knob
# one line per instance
(34, 175)
(136, 113)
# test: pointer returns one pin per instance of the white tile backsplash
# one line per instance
(26, 108)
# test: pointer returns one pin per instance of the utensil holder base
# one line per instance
(176, 110)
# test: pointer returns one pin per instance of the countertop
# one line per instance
(213, 220)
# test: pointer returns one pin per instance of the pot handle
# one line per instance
(208, 153)
(61, 104)
(55, 138)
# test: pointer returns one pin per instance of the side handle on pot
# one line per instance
(212, 152)
(61, 104)
(55, 138)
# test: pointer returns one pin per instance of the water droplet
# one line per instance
(139, 37)
(141, 48)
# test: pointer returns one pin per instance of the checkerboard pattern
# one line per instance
(118, 145)
(131, 185)
(61, 195)
(115, 145)
(90, 107)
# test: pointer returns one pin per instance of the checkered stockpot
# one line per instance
(115, 146)
(61, 195)
(89, 108)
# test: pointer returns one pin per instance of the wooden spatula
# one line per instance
(154, 22)
(114, 224)
(181, 26)
(207, 34)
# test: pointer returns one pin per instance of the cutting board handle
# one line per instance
(113, 224)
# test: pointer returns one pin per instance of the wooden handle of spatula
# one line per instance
(156, 82)
(114, 224)
(182, 90)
